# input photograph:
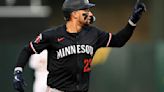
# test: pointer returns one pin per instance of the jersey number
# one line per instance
(87, 64)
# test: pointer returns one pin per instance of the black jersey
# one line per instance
(70, 54)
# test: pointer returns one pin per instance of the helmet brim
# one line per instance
(87, 6)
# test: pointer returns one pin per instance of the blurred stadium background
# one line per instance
(137, 67)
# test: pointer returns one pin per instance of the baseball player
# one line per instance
(71, 47)
(38, 62)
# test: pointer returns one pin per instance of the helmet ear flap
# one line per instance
(67, 14)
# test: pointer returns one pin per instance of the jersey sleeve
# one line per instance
(119, 39)
(103, 38)
(36, 46)
(40, 43)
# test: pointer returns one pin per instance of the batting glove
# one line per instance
(139, 8)
(18, 81)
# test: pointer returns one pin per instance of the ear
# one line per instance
(74, 14)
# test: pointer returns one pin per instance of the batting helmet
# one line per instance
(73, 5)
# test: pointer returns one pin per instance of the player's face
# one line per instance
(85, 17)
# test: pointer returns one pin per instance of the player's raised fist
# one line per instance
(139, 8)
(18, 81)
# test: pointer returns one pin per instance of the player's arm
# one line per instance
(36, 46)
(120, 38)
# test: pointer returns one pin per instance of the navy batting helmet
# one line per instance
(73, 5)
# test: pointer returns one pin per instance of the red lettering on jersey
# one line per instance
(87, 66)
